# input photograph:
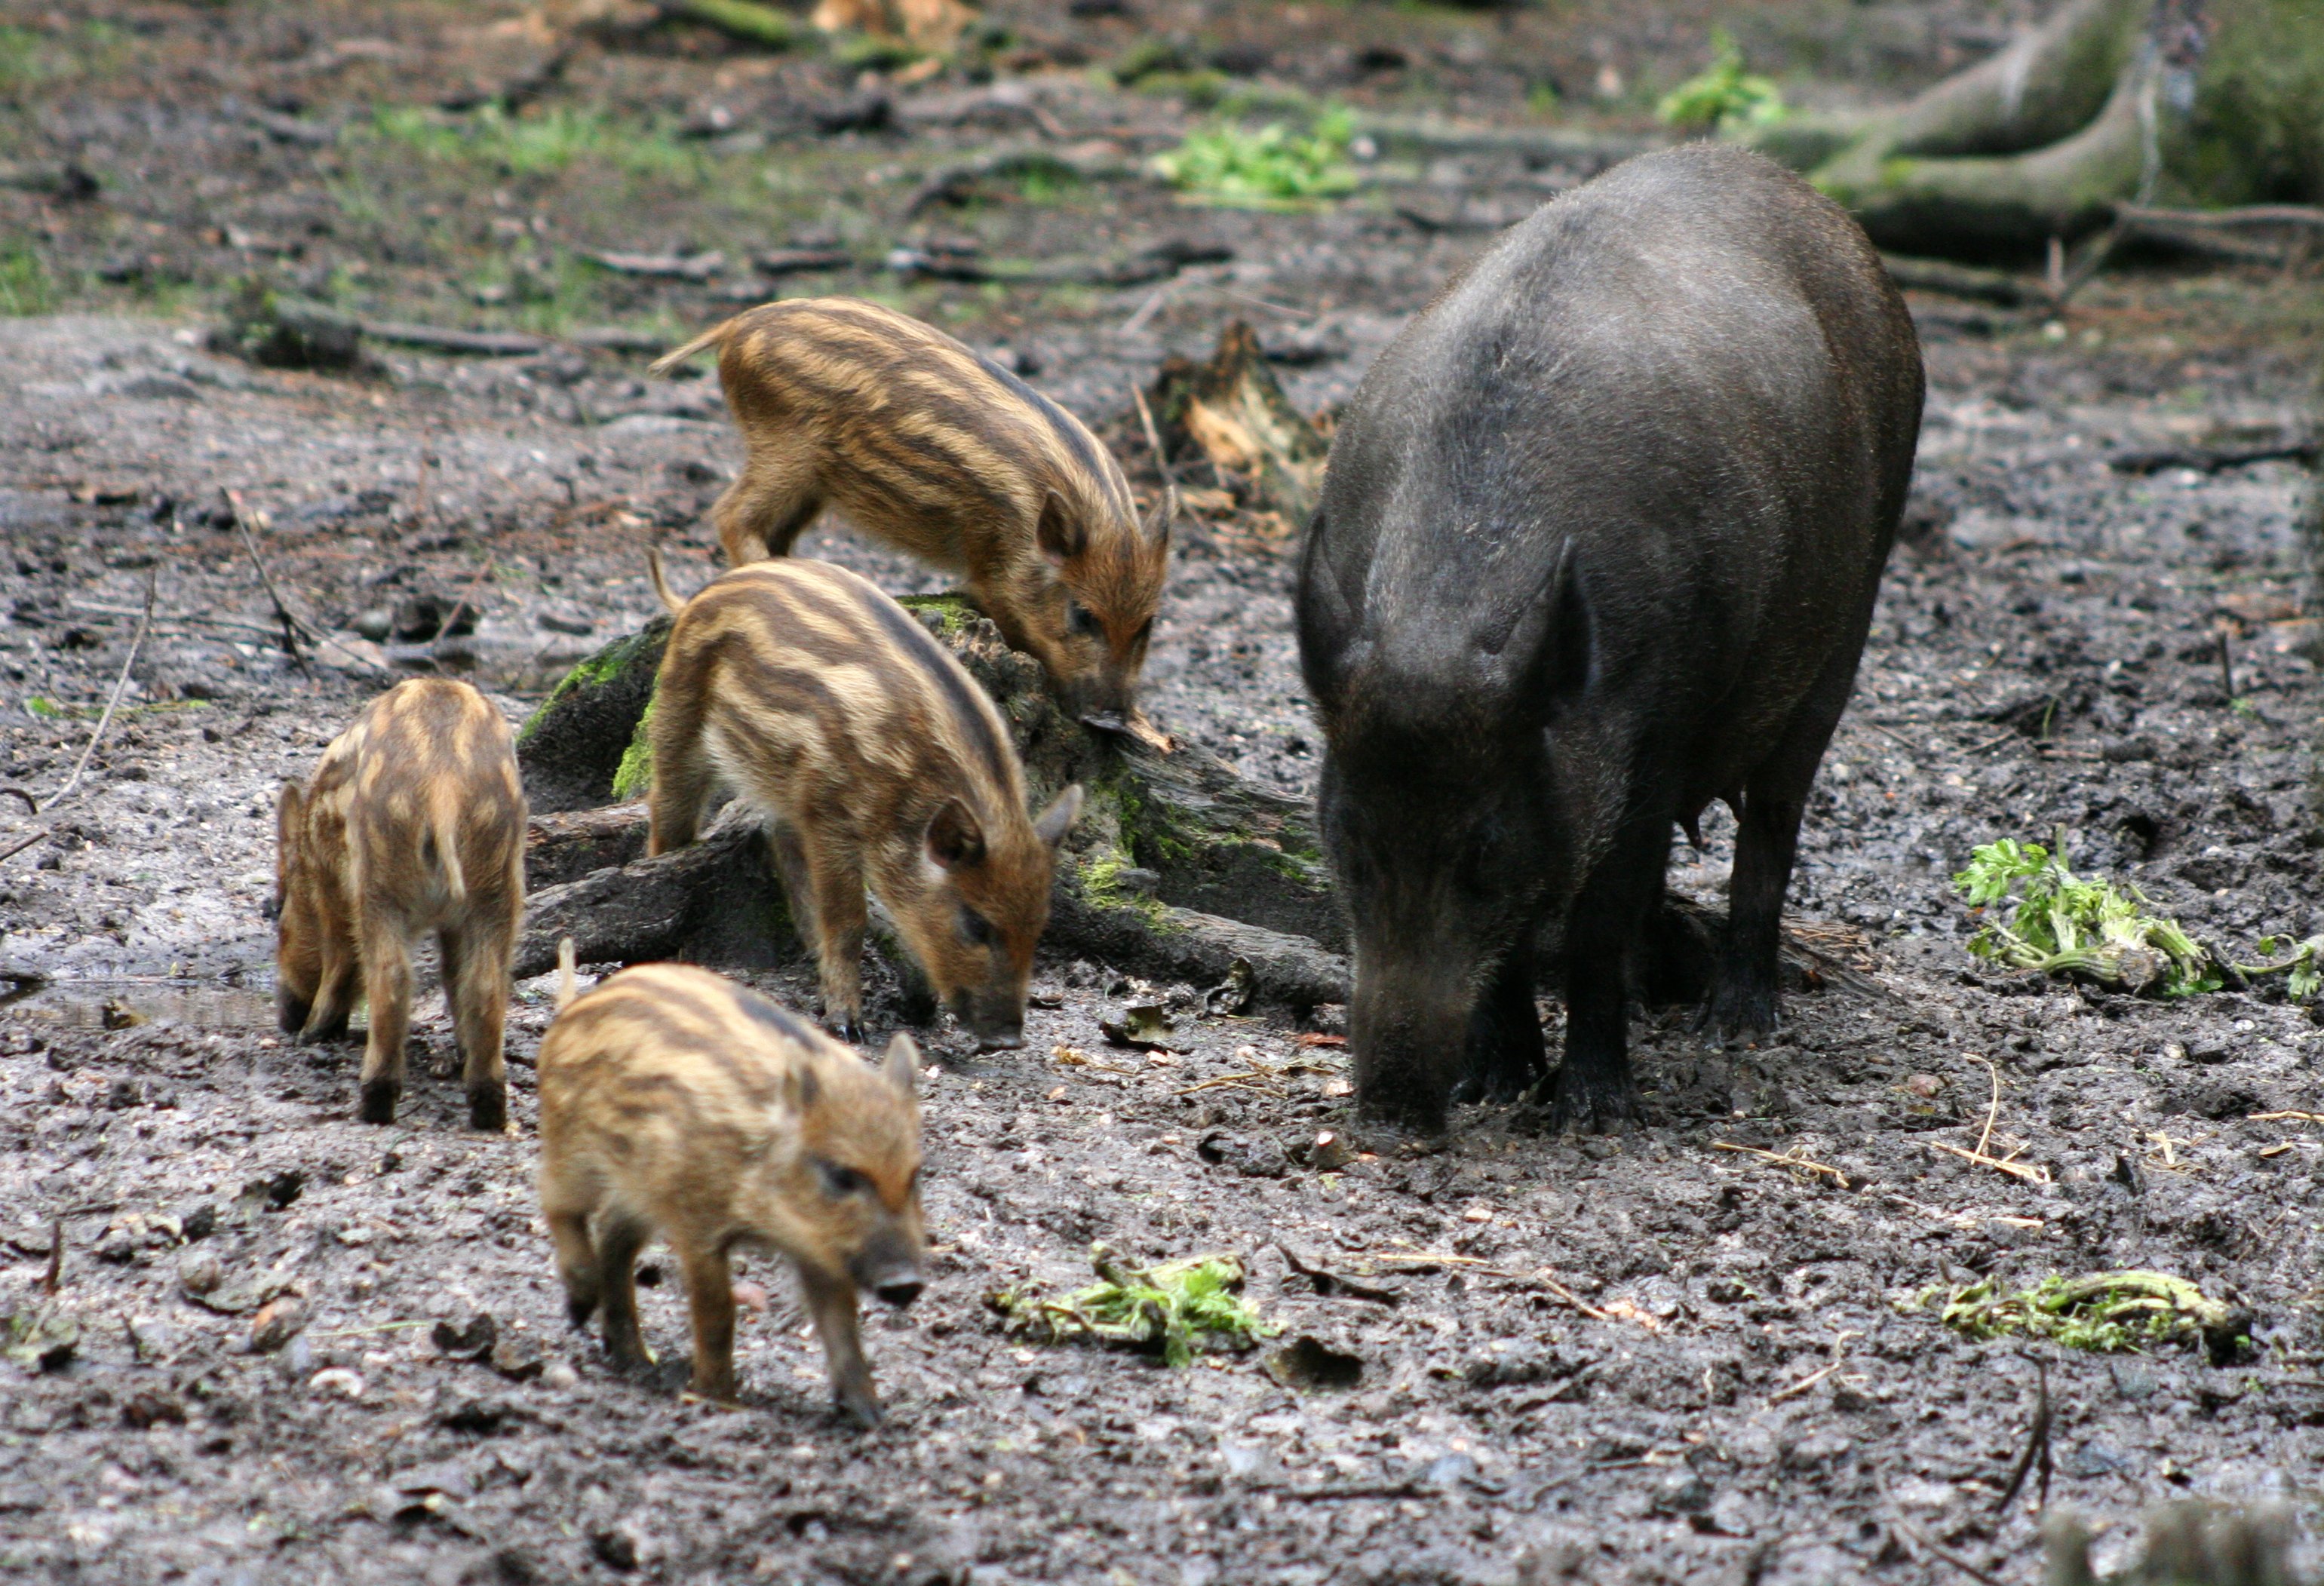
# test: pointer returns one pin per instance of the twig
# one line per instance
(2037, 1443)
(1993, 1111)
(2282, 1117)
(1804, 1383)
(1920, 1540)
(14, 849)
(30, 803)
(292, 626)
(120, 686)
(2226, 664)
(2015, 1169)
(53, 1278)
(1802, 1163)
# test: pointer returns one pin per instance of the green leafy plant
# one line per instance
(1270, 168)
(2064, 924)
(2107, 1312)
(2305, 966)
(25, 285)
(1724, 98)
(1168, 1309)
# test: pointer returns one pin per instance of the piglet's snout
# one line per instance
(899, 1288)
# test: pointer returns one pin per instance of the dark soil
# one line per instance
(1640, 1359)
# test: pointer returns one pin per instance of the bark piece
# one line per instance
(1233, 411)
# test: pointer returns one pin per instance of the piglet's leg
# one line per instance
(567, 1214)
(831, 1302)
(387, 987)
(335, 990)
(840, 916)
(710, 1295)
(477, 981)
(617, 1272)
(764, 511)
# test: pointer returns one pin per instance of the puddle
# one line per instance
(120, 1004)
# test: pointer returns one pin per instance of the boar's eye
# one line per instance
(1081, 619)
(976, 929)
(840, 1182)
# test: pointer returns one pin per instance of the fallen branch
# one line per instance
(1801, 1163)
(1538, 145)
(754, 23)
(661, 266)
(293, 626)
(120, 686)
(2212, 459)
(1998, 287)
(955, 183)
(490, 344)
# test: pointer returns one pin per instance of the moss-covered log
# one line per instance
(2111, 102)
(572, 749)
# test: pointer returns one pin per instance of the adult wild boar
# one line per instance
(1598, 543)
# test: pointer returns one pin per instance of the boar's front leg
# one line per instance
(1594, 1090)
(1505, 1055)
(710, 1300)
(831, 1301)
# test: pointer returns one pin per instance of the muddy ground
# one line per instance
(1638, 1359)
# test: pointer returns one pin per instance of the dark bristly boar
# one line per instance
(1598, 544)
(674, 1101)
(874, 758)
(414, 821)
(925, 445)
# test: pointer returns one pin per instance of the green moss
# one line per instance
(955, 609)
(1148, 833)
(1100, 879)
(634, 775)
(602, 667)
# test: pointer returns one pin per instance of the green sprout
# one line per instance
(1269, 169)
(1167, 1309)
(2067, 925)
(2107, 1313)
(1726, 96)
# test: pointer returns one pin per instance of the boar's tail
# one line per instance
(670, 603)
(565, 968)
(443, 837)
(668, 361)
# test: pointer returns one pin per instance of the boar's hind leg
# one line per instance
(1766, 841)
(1506, 1057)
(476, 981)
(765, 510)
(387, 987)
(710, 1298)
(1594, 1090)
(831, 1301)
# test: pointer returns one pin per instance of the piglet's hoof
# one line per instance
(848, 1029)
(862, 1412)
(379, 1099)
(487, 1107)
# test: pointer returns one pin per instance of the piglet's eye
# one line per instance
(839, 1182)
(1081, 619)
(976, 929)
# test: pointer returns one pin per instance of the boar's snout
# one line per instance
(997, 1019)
(899, 1289)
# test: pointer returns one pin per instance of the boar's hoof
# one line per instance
(488, 1106)
(579, 1308)
(1736, 1011)
(313, 1033)
(848, 1029)
(379, 1099)
(290, 1012)
(862, 1409)
(1592, 1106)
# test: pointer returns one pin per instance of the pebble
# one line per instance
(559, 1377)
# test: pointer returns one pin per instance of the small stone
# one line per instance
(559, 1377)
(278, 1321)
(199, 1272)
(337, 1379)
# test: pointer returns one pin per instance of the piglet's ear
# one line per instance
(289, 810)
(1165, 512)
(1059, 534)
(955, 839)
(1053, 822)
(901, 1067)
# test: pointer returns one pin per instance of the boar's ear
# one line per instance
(901, 1067)
(955, 839)
(1053, 822)
(1060, 534)
(1552, 637)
